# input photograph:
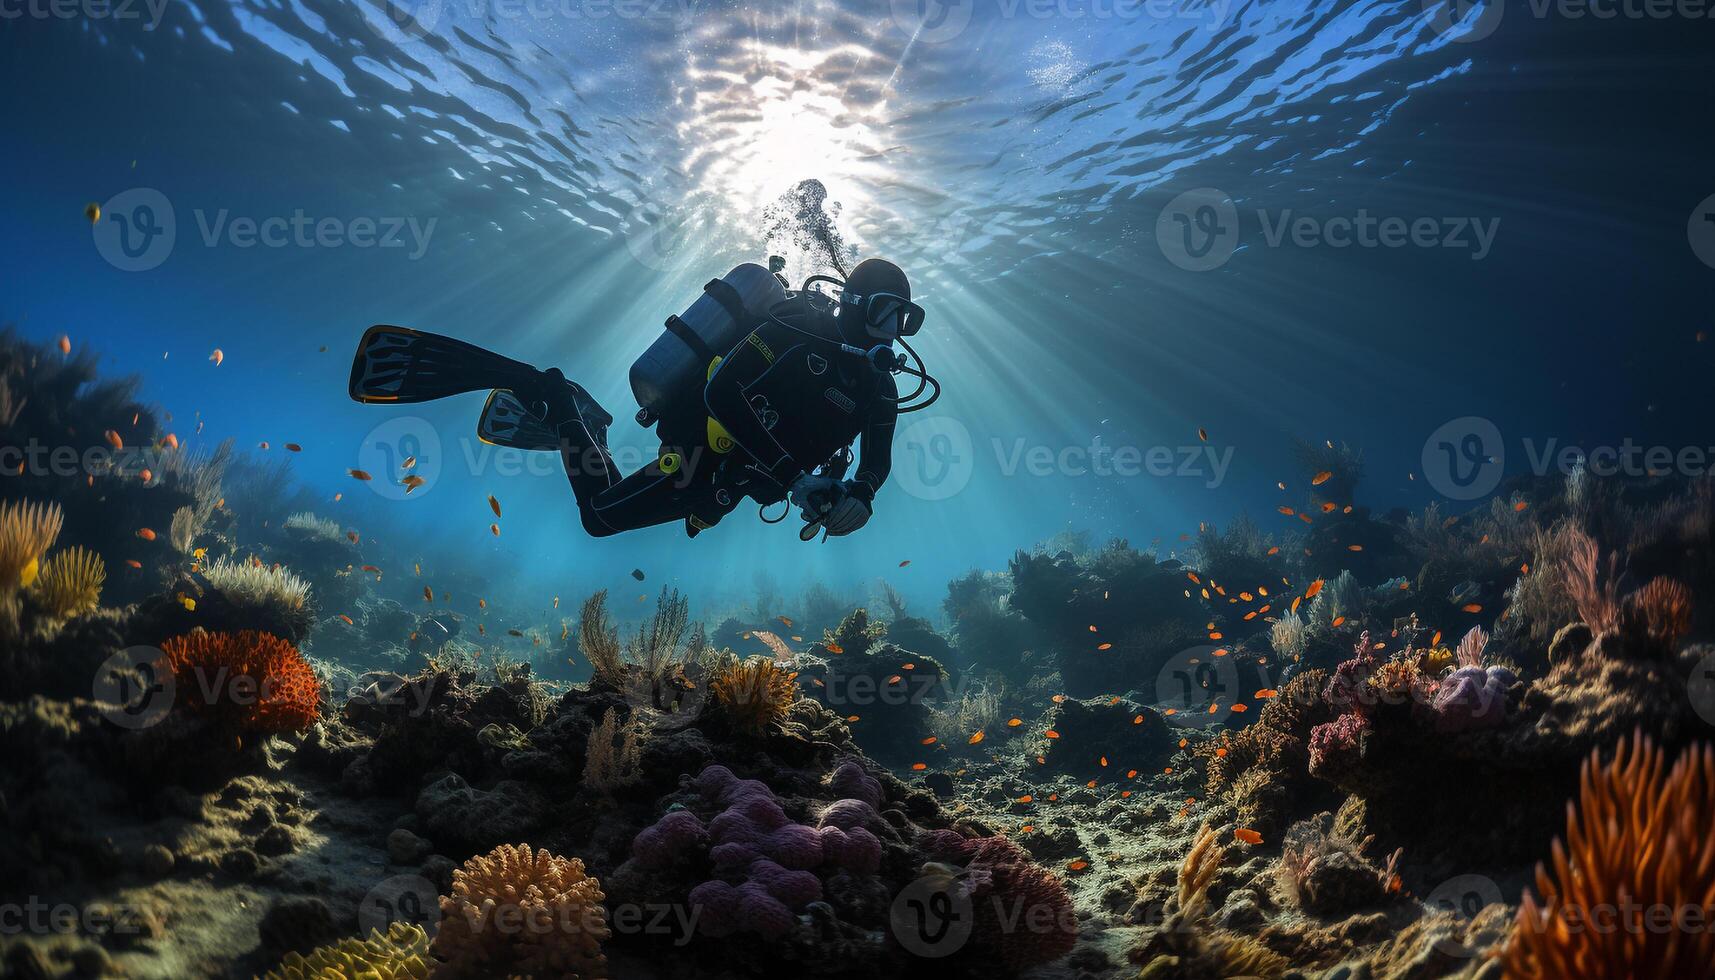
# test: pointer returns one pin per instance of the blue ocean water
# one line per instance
(551, 179)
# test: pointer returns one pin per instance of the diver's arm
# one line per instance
(875, 458)
(727, 398)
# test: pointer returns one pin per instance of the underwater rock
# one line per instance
(461, 818)
(296, 923)
(1125, 734)
(887, 690)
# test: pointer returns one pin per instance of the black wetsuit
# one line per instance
(790, 402)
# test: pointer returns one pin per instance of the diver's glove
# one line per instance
(852, 511)
(813, 495)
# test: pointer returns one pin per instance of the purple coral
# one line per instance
(795, 888)
(794, 846)
(715, 906)
(849, 780)
(846, 814)
(677, 833)
(712, 780)
(1348, 689)
(762, 913)
(855, 850)
(1472, 698)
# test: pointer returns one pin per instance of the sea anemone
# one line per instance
(400, 953)
(512, 912)
(27, 529)
(1638, 857)
(263, 593)
(755, 694)
(69, 583)
(248, 681)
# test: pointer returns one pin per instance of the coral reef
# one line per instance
(69, 582)
(512, 911)
(1001, 881)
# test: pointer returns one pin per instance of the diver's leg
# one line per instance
(644, 499)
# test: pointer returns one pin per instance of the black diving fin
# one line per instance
(506, 421)
(401, 365)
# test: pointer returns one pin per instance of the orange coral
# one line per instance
(755, 694)
(249, 680)
(516, 913)
(1630, 891)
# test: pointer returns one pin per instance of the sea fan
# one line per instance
(1638, 842)
(27, 529)
(755, 694)
(245, 681)
(69, 583)
(513, 913)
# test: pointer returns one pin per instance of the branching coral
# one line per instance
(754, 695)
(1628, 894)
(614, 750)
(1187, 946)
(27, 530)
(246, 681)
(311, 525)
(401, 953)
(512, 912)
(69, 583)
(598, 640)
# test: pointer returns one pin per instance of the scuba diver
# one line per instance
(755, 391)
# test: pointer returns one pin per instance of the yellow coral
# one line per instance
(70, 582)
(27, 529)
(514, 913)
(403, 952)
(755, 694)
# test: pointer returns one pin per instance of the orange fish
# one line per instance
(1058, 699)
(146, 475)
(1014, 722)
(347, 619)
(1288, 511)
(851, 717)
(1321, 478)
(1354, 547)
(833, 648)
(371, 568)
(293, 447)
(494, 505)
(1105, 646)
(171, 441)
(1203, 434)
(494, 529)
(905, 563)
(359, 475)
(1077, 865)
(262, 445)
(65, 344)
(145, 534)
(1274, 550)
(134, 563)
(1472, 607)
(217, 357)
(1520, 506)
(352, 535)
(411, 482)
(894, 679)
(1026, 798)
(1247, 835)
(428, 594)
(978, 737)
(919, 766)
(113, 439)
(1266, 693)
(1338, 621)
(482, 603)
(1328, 508)
(929, 741)
(1315, 587)
(1051, 733)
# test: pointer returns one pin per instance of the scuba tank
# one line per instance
(678, 363)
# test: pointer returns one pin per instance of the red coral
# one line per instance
(1023, 915)
(247, 681)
